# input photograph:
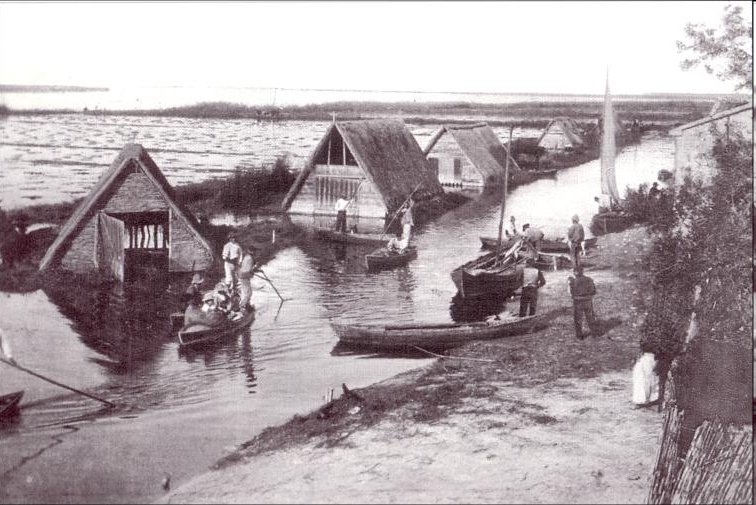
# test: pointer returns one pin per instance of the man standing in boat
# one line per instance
(231, 257)
(246, 271)
(532, 279)
(341, 209)
(575, 238)
(407, 223)
(582, 289)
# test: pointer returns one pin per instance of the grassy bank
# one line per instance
(654, 113)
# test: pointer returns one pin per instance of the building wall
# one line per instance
(693, 146)
(80, 257)
(326, 183)
(446, 151)
(186, 252)
(135, 193)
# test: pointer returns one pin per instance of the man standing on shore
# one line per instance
(575, 237)
(532, 279)
(582, 289)
(533, 235)
(231, 257)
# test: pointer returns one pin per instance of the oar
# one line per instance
(400, 208)
(265, 277)
(111, 404)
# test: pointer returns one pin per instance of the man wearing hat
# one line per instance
(575, 237)
(231, 257)
(246, 271)
(194, 287)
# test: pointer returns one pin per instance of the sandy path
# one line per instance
(569, 441)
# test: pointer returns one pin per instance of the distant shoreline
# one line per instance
(24, 88)
(652, 111)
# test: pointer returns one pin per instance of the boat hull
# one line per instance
(383, 259)
(433, 336)
(610, 222)
(547, 246)
(350, 238)
(9, 404)
(197, 335)
(490, 275)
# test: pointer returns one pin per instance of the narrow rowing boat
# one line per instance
(197, 334)
(436, 337)
(9, 404)
(351, 238)
(383, 258)
(547, 245)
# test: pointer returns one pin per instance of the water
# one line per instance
(181, 412)
(58, 158)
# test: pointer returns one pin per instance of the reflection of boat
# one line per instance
(548, 246)
(199, 334)
(351, 238)
(405, 337)
(9, 404)
(608, 221)
(383, 258)
(493, 274)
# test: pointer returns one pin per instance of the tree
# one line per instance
(727, 53)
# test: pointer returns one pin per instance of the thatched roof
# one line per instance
(481, 146)
(568, 126)
(101, 192)
(387, 153)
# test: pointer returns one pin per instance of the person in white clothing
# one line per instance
(5, 350)
(231, 257)
(407, 223)
(341, 208)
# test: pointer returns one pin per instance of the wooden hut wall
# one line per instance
(446, 151)
(555, 138)
(187, 253)
(135, 193)
(80, 256)
(320, 191)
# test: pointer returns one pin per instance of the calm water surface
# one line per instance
(180, 412)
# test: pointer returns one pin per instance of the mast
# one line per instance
(504, 197)
(608, 148)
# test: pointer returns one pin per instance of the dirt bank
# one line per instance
(534, 418)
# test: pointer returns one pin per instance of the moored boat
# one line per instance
(351, 238)
(9, 404)
(491, 275)
(547, 245)
(430, 336)
(197, 334)
(383, 258)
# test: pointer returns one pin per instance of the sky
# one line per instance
(495, 47)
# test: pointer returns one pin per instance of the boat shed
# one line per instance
(129, 220)
(378, 161)
(468, 155)
(561, 134)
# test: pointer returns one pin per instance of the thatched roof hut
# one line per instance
(468, 155)
(561, 133)
(130, 219)
(377, 161)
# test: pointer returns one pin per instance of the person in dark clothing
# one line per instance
(532, 279)
(575, 238)
(582, 289)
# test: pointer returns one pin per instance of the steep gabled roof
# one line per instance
(480, 145)
(99, 194)
(569, 128)
(388, 154)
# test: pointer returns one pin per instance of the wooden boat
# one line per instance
(547, 245)
(407, 337)
(383, 258)
(373, 239)
(198, 334)
(610, 222)
(9, 404)
(492, 274)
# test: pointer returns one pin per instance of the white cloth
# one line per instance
(230, 271)
(406, 233)
(5, 350)
(232, 251)
(341, 204)
(645, 380)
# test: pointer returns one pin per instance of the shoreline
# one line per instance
(474, 408)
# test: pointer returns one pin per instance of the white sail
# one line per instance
(608, 149)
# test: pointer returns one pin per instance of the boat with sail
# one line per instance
(611, 217)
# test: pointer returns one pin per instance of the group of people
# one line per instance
(231, 298)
